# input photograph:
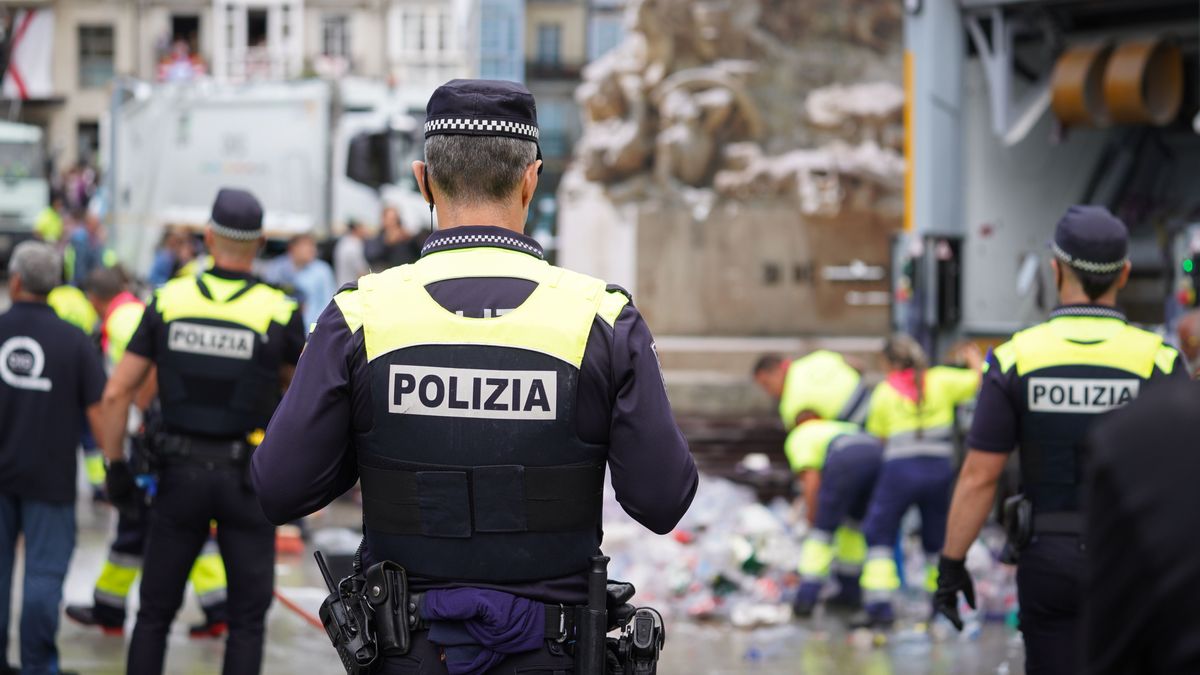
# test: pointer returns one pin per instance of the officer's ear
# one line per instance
(1054, 265)
(1123, 278)
(419, 172)
(529, 182)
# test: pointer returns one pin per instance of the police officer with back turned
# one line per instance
(224, 345)
(479, 394)
(1041, 391)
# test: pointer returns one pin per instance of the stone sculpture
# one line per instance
(731, 150)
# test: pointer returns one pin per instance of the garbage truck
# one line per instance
(24, 186)
(310, 151)
(1017, 109)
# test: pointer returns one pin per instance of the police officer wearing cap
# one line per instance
(478, 394)
(1041, 392)
(224, 345)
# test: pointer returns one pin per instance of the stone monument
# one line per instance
(741, 166)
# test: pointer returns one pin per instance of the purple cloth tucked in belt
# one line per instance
(498, 623)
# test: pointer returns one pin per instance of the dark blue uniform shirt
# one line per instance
(308, 459)
(50, 373)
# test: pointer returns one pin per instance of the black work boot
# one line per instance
(211, 628)
(88, 616)
(806, 599)
(876, 616)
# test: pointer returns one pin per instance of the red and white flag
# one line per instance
(30, 71)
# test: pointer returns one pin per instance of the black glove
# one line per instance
(121, 485)
(952, 578)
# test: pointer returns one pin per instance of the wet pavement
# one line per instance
(295, 646)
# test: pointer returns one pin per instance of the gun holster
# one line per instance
(1018, 524)
(395, 613)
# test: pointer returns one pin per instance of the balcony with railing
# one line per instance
(543, 69)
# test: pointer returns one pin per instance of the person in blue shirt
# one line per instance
(304, 276)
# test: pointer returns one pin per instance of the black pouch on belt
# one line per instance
(1018, 521)
(387, 593)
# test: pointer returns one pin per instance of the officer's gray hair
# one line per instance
(473, 169)
(38, 265)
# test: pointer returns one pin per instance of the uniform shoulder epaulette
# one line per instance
(614, 288)
(1006, 356)
(615, 299)
(349, 301)
(1167, 358)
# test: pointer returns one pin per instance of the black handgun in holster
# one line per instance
(1018, 525)
(349, 620)
(642, 639)
(642, 635)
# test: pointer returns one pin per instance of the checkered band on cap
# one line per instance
(1099, 312)
(1087, 265)
(233, 233)
(481, 127)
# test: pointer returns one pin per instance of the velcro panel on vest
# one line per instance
(444, 502)
(500, 499)
(490, 499)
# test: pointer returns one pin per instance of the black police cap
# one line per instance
(236, 214)
(482, 108)
(1091, 239)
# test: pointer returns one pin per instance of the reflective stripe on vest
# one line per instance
(215, 376)
(1063, 387)
(935, 442)
(472, 470)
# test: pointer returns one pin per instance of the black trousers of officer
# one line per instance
(425, 658)
(189, 497)
(1049, 591)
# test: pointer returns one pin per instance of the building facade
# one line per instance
(414, 45)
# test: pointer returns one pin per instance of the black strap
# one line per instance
(1061, 522)
(178, 447)
(540, 499)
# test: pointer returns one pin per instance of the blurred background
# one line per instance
(762, 175)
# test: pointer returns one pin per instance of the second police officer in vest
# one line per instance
(120, 313)
(1041, 392)
(224, 345)
(478, 394)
